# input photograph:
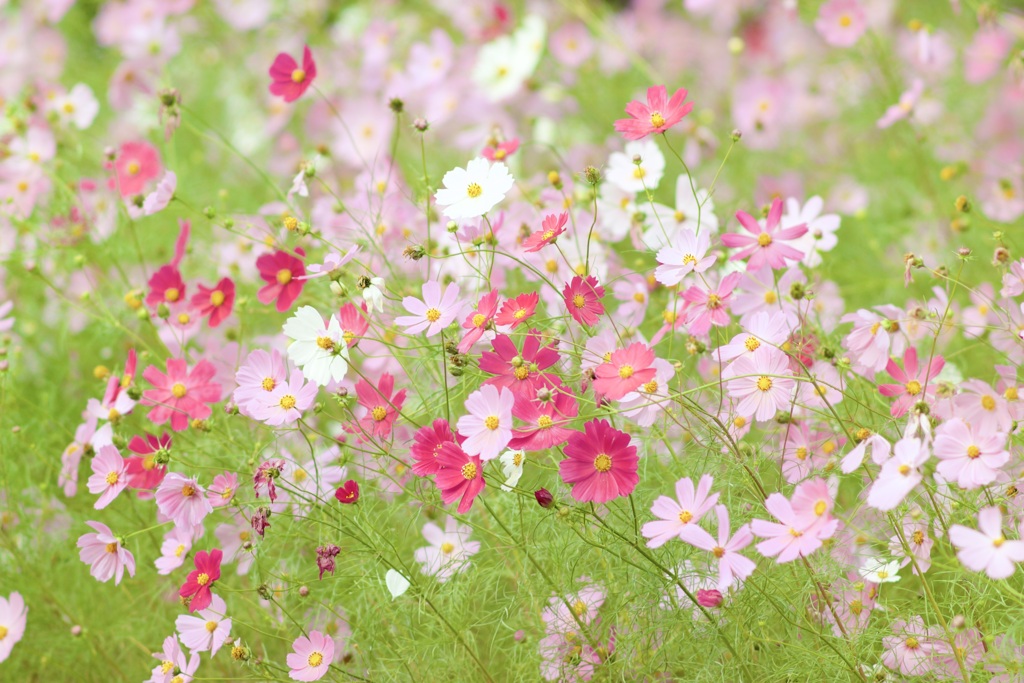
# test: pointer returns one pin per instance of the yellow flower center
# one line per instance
(764, 383)
(740, 422)
(134, 168)
(179, 550)
(211, 626)
(522, 372)
(714, 301)
(578, 301)
(689, 260)
(183, 318)
(268, 383)
(548, 234)
(551, 265)
(625, 372)
(491, 422)
(299, 475)
(856, 606)
(639, 172)
(325, 343)
(216, 297)
(602, 463)
(913, 387)
(474, 190)
(179, 390)
(315, 659)
(988, 403)
(544, 422)
(166, 666)
(845, 21)
(469, 470)
(764, 239)
(801, 453)
(973, 452)
(904, 470)
(519, 314)
(298, 76)
(188, 490)
(998, 541)
(287, 402)
(203, 579)
(1010, 394)
(447, 548)
(517, 459)
(911, 643)
(918, 537)
(651, 386)
(379, 413)
(685, 516)
(433, 315)
(657, 120)
(112, 478)
(112, 547)
(172, 294)
(770, 297)
(479, 319)
(718, 551)
(284, 276)
(795, 533)
(639, 297)
(820, 507)
(579, 608)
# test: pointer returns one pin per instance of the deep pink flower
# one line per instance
(427, 444)
(282, 272)
(216, 302)
(144, 472)
(137, 163)
(381, 405)
(478, 321)
(354, 323)
(626, 370)
(501, 150)
(103, 552)
(459, 476)
(707, 307)
(913, 381)
(266, 475)
(551, 227)
(582, 299)
(166, 286)
(347, 493)
(287, 80)
(310, 657)
(987, 549)
(181, 395)
(517, 311)
(547, 422)
(656, 116)
(765, 245)
(520, 371)
(109, 476)
(678, 518)
(200, 580)
(600, 463)
(325, 555)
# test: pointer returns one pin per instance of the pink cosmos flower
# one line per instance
(287, 80)
(310, 657)
(88, 439)
(283, 274)
(520, 370)
(109, 476)
(761, 383)
(157, 200)
(686, 253)
(434, 312)
(984, 408)
(803, 523)
(547, 422)
(763, 328)
(354, 323)
(903, 108)
(707, 307)
(458, 476)
(347, 493)
(626, 370)
(173, 663)
(181, 395)
(986, 54)
(987, 549)
(333, 263)
(551, 227)
(216, 302)
(103, 552)
(175, 546)
(656, 116)
(165, 287)
(258, 376)
(515, 312)
(449, 550)
(919, 543)
(381, 406)
(733, 568)
(222, 490)
(137, 163)
(501, 150)
(488, 426)
(286, 403)
(426, 446)
(144, 472)
(600, 463)
(13, 614)
(913, 381)
(841, 22)
(874, 337)
(970, 457)
(478, 321)
(582, 299)
(765, 246)
(899, 474)
(647, 403)
(678, 518)
(183, 500)
(913, 647)
(200, 580)
(207, 632)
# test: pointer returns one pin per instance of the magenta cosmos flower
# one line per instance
(201, 579)
(13, 614)
(215, 302)
(986, 549)
(181, 395)
(459, 475)
(656, 116)
(381, 404)
(427, 444)
(550, 228)
(626, 370)
(582, 298)
(283, 274)
(478, 321)
(515, 312)
(761, 383)
(600, 463)
(677, 518)
(434, 312)
(547, 422)
(103, 552)
(765, 245)
(310, 657)
(488, 425)
(913, 381)
(521, 370)
(287, 80)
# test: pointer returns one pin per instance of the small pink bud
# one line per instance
(711, 598)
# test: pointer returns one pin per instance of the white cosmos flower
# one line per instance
(877, 570)
(473, 191)
(373, 294)
(627, 176)
(512, 466)
(504, 64)
(318, 348)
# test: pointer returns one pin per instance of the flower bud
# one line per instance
(709, 598)
(544, 498)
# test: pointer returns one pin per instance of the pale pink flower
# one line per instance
(183, 500)
(434, 312)
(903, 108)
(488, 426)
(109, 476)
(208, 631)
(969, 456)
(841, 22)
(103, 552)
(986, 549)
(678, 518)
(310, 657)
(13, 615)
(765, 245)
(899, 474)
(913, 647)
(177, 542)
(449, 550)
(733, 568)
(286, 403)
(761, 383)
(686, 253)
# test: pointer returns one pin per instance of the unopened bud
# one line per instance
(544, 498)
